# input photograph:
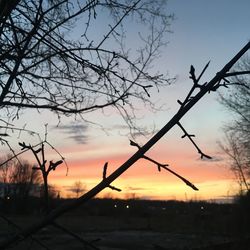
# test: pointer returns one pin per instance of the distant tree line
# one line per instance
(18, 179)
(237, 132)
(20, 182)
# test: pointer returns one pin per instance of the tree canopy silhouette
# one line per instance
(72, 57)
(18, 178)
(237, 101)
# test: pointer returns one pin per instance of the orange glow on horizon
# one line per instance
(144, 181)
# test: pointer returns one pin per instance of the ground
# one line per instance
(135, 225)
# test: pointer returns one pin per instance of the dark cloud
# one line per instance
(75, 131)
(79, 138)
(73, 189)
(214, 159)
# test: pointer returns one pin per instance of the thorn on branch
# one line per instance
(104, 173)
(104, 176)
(181, 103)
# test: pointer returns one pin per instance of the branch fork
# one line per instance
(189, 136)
(104, 177)
(165, 166)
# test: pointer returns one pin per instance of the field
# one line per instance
(120, 225)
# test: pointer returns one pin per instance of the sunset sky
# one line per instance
(202, 31)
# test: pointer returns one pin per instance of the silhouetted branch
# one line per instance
(45, 66)
(54, 165)
(164, 166)
(226, 83)
(189, 136)
(237, 73)
(3, 141)
(15, 155)
(4, 134)
(195, 84)
(105, 168)
(117, 23)
(45, 170)
(62, 157)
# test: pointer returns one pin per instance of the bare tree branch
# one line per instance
(42, 65)
(189, 136)
(164, 166)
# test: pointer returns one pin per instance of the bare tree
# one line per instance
(78, 188)
(237, 139)
(44, 168)
(4, 174)
(51, 58)
(19, 178)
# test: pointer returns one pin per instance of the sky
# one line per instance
(202, 31)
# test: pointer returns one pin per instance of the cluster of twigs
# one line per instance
(72, 75)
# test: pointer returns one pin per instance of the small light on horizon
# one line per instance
(115, 206)
(127, 206)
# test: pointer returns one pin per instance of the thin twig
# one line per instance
(164, 166)
(189, 136)
(104, 173)
(195, 84)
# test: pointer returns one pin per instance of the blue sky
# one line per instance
(202, 31)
